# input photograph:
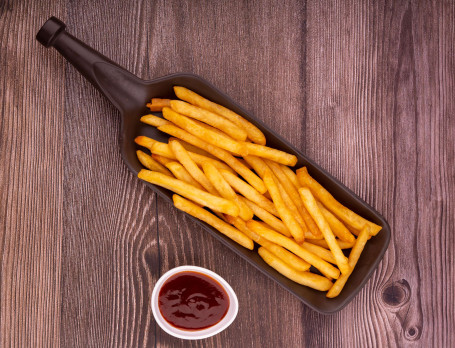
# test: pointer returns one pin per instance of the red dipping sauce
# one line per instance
(192, 301)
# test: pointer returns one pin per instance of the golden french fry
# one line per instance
(149, 163)
(336, 225)
(158, 104)
(288, 257)
(309, 279)
(161, 159)
(323, 266)
(212, 220)
(204, 133)
(184, 158)
(344, 214)
(164, 150)
(286, 216)
(257, 164)
(226, 190)
(323, 243)
(215, 203)
(249, 191)
(272, 154)
(144, 141)
(353, 258)
(193, 98)
(323, 253)
(268, 218)
(210, 118)
(153, 120)
(192, 148)
(291, 176)
(182, 174)
(315, 212)
(219, 153)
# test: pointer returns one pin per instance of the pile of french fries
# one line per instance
(216, 159)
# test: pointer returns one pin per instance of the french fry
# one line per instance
(323, 266)
(268, 218)
(153, 120)
(144, 141)
(249, 192)
(204, 133)
(309, 279)
(291, 223)
(323, 243)
(344, 214)
(158, 104)
(315, 212)
(336, 225)
(192, 148)
(291, 176)
(210, 118)
(164, 150)
(272, 154)
(212, 220)
(257, 163)
(184, 158)
(226, 190)
(221, 154)
(149, 163)
(319, 251)
(294, 197)
(161, 159)
(193, 98)
(353, 258)
(182, 174)
(180, 187)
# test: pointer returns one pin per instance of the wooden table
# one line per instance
(365, 88)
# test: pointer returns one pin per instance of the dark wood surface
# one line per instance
(365, 88)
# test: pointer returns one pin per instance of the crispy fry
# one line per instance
(286, 216)
(336, 225)
(192, 148)
(193, 98)
(223, 155)
(323, 243)
(344, 214)
(309, 279)
(212, 220)
(249, 192)
(226, 190)
(144, 141)
(153, 120)
(189, 191)
(182, 174)
(158, 104)
(210, 118)
(161, 159)
(204, 133)
(323, 266)
(184, 158)
(272, 154)
(323, 253)
(315, 212)
(268, 218)
(257, 163)
(353, 258)
(149, 163)
(291, 175)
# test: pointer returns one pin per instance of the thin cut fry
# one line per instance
(182, 174)
(323, 266)
(153, 120)
(343, 213)
(309, 279)
(291, 176)
(192, 148)
(312, 207)
(149, 163)
(291, 223)
(257, 163)
(226, 191)
(204, 133)
(288, 257)
(189, 191)
(144, 141)
(320, 251)
(323, 243)
(158, 104)
(161, 159)
(249, 192)
(212, 220)
(223, 155)
(210, 118)
(193, 98)
(336, 225)
(184, 158)
(353, 258)
(270, 153)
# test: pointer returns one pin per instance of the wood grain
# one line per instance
(365, 88)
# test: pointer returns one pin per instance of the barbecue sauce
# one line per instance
(192, 301)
